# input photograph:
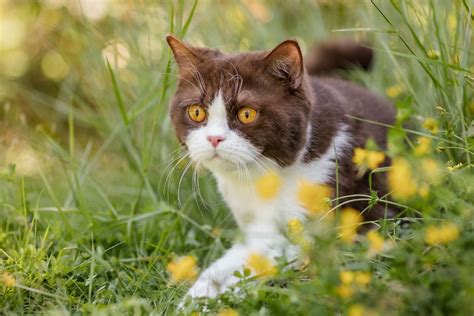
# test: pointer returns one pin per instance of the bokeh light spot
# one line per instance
(12, 32)
(53, 66)
(117, 54)
(14, 63)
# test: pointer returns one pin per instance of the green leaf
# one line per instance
(237, 274)
(247, 272)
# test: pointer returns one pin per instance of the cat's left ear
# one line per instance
(286, 61)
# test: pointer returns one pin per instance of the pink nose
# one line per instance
(215, 140)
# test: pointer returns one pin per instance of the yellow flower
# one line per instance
(431, 125)
(295, 230)
(8, 280)
(359, 277)
(423, 147)
(261, 265)
(442, 234)
(400, 179)
(371, 159)
(360, 310)
(295, 233)
(433, 54)
(356, 310)
(394, 90)
(374, 159)
(424, 191)
(344, 290)
(228, 312)
(350, 220)
(452, 168)
(314, 197)
(183, 269)
(295, 226)
(346, 276)
(268, 185)
(362, 278)
(376, 241)
(360, 156)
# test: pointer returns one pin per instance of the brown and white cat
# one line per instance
(241, 115)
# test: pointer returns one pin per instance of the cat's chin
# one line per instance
(220, 164)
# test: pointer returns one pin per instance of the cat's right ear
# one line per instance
(286, 62)
(183, 54)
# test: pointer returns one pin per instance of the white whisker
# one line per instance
(188, 165)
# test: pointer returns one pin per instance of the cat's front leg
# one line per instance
(220, 275)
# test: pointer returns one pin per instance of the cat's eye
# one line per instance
(247, 115)
(196, 113)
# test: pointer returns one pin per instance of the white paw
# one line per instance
(212, 284)
(205, 287)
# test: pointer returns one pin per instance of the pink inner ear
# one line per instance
(287, 50)
(183, 54)
(287, 62)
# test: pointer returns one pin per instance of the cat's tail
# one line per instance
(342, 54)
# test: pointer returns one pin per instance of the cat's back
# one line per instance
(352, 99)
(340, 102)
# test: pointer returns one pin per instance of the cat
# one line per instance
(244, 115)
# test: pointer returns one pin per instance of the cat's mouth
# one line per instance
(216, 157)
(221, 160)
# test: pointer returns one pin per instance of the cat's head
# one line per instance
(232, 109)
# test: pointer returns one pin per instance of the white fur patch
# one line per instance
(263, 222)
(278, 211)
(232, 151)
(217, 117)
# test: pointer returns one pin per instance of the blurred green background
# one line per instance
(94, 198)
(53, 54)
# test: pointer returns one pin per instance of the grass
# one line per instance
(95, 200)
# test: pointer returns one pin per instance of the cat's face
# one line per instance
(241, 109)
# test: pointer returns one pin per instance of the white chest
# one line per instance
(238, 188)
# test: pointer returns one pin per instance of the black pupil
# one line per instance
(247, 114)
(197, 112)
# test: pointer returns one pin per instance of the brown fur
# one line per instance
(339, 54)
(275, 83)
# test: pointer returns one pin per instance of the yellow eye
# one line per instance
(196, 113)
(247, 115)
